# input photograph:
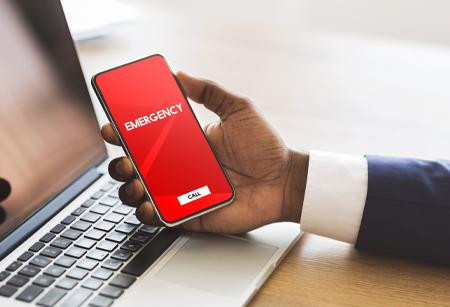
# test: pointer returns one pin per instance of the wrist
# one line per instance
(295, 186)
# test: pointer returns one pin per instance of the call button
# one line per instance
(193, 195)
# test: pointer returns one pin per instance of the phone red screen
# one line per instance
(163, 138)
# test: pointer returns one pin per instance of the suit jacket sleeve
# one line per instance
(407, 210)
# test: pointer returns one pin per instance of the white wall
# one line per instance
(425, 20)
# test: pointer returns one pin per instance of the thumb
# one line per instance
(212, 96)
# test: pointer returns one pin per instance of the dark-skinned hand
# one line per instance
(268, 177)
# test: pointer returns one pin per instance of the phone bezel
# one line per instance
(125, 146)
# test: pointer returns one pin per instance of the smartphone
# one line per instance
(162, 137)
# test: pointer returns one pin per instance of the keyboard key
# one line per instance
(4, 275)
(71, 234)
(47, 237)
(105, 226)
(94, 234)
(29, 294)
(90, 217)
(25, 256)
(61, 243)
(125, 228)
(102, 274)
(101, 301)
(113, 218)
(121, 254)
(29, 271)
(112, 292)
(80, 225)
(40, 261)
(51, 297)
(151, 252)
(149, 229)
(14, 266)
(58, 228)
(43, 281)
(51, 252)
(114, 193)
(122, 209)
(132, 219)
(85, 243)
(68, 220)
(54, 271)
(109, 201)
(88, 203)
(107, 187)
(77, 273)
(75, 252)
(107, 245)
(77, 298)
(87, 264)
(65, 261)
(97, 195)
(131, 246)
(116, 237)
(78, 211)
(140, 237)
(96, 254)
(18, 281)
(7, 291)
(36, 247)
(122, 281)
(100, 209)
(66, 283)
(92, 283)
(112, 264)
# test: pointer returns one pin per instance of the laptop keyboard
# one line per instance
(85, 259)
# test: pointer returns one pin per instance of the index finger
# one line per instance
(109, 135)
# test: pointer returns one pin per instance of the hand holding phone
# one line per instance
(268, 177)
(162, 137)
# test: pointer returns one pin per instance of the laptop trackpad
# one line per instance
(218, 264)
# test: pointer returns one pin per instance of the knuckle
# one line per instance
(210, 91)
(244, 102)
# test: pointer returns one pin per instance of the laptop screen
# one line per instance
(49, 134)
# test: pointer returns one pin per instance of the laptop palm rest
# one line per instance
(222, 265)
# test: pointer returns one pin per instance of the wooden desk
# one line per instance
(327, 91)
(323, 272)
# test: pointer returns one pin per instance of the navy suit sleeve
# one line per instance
(407, 210)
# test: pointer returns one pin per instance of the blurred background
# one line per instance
(354, 76)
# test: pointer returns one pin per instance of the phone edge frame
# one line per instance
(125, 147)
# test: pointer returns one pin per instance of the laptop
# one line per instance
(65, 237)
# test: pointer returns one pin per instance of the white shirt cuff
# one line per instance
(335, 195)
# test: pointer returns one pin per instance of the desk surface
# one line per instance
(323, 272)
(325, 91)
